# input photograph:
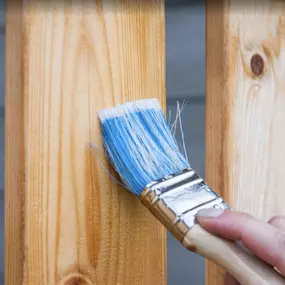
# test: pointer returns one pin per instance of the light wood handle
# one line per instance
(233, 257)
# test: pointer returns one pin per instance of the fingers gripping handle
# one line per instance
(246, 268)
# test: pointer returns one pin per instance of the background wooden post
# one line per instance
(67, 222)
(245, 107)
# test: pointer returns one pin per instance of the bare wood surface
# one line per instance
(245, 107)
(67, 222)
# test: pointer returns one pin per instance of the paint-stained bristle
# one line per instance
(139, 143)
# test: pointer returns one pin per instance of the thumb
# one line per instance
(262, 239)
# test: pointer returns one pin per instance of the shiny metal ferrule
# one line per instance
(176, 199)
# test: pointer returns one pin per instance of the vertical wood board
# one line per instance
(67, 221)
(245, 107)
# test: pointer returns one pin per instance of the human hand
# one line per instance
(265, 240)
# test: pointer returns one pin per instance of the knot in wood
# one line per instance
(257, 64)
(75, 279)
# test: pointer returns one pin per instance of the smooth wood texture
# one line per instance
(245, 267)
(245, 112)
(67, 222)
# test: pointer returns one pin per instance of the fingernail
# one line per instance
(209, 213)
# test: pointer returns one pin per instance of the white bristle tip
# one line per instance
(129, 107)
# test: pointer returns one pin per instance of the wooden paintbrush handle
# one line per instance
(233, 257)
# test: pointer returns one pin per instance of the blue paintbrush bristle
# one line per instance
(140, 144)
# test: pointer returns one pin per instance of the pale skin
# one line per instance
(265, 239)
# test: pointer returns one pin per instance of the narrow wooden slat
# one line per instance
(14, 151)
(67, 221)
(245, 107)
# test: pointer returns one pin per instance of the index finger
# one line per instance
(262, 239)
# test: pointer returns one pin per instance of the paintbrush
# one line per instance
(144, 152)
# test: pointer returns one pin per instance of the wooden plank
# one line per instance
(245, 107)
(67, 222)
(14, 150)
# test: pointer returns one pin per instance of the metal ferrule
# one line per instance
(176, 199)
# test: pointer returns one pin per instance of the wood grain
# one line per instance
(245, 109)
(67, 222)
